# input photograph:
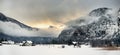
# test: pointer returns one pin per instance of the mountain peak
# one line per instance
(99, 12)
(105, 28)
(2, 17)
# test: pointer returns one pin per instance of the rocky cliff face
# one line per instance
(105, 28)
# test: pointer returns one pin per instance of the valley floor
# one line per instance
(54, 50)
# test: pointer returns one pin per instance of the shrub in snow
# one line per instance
(27, 43)
(63, 46)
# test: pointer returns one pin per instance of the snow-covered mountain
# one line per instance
(4, 18)
(11, 29)
(106, 26)
(100, 12)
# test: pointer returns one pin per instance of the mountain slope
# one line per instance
(11, 29)
(3, 18)
(105, 28)
(35, 40)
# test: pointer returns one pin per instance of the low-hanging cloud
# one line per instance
(32, 12)
(13, 29)
(110, 12)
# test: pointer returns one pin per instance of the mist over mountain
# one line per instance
(12, 27)
(100, 24)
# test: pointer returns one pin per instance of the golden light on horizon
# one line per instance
(48, 24)
(41, 26)
(44, 26)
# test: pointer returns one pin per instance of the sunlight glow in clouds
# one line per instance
(51, 15)
(57, 11)
(41, 26)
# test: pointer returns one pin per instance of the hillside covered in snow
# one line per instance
(100, 27)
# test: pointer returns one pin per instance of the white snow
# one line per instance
(53, 50)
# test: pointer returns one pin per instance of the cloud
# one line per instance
(57, 11)
(13, 29)
(50, 12)
(93, 17)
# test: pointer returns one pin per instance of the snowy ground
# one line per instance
(54, 50)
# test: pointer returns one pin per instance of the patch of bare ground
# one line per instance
(110, 48)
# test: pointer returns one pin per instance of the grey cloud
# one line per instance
(13, 29)
(58, 11)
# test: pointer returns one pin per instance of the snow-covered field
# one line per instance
(54, 50)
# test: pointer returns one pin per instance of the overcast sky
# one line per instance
(51, 12)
